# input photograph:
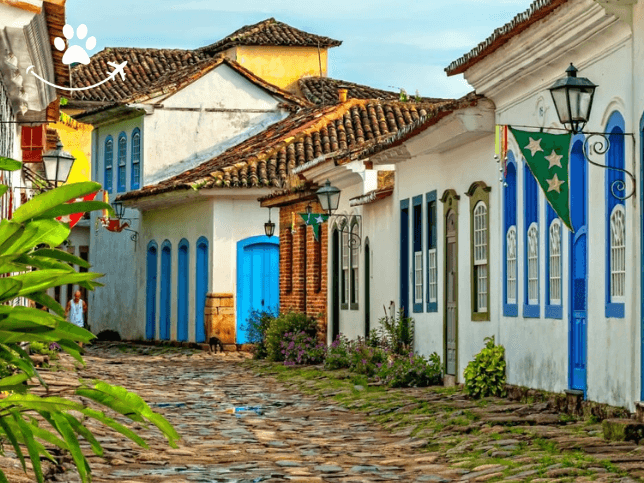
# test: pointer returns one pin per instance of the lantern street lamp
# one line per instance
(119, 209)
(58, 164)
(329, 198)
(573, 98)
(269, 226)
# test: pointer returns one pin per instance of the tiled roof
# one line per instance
(156, 72)
(538, 10)
(55, 18)
(267, 159)
(324, 90)
(144, 69)
(270, 32)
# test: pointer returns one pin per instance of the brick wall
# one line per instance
(303, 265)
(220, 317)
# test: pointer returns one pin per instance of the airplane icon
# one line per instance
(118, 69)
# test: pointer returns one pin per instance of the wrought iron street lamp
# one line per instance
(329, 198)
(58, 164)
(573, 98)
(119, 209)
(269, 226)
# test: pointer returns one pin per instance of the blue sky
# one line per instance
(384, 44)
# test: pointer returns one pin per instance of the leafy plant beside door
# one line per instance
(27, 421)
(485, 375)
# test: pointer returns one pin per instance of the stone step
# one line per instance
(623, 430)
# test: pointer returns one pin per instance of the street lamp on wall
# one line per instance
(58, 164)
(329, 198)
(269, 226)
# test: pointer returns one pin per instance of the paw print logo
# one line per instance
(75, 53)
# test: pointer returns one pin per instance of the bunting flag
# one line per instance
(315, 220)
(547, 158)
(292, 222)
(106, 199)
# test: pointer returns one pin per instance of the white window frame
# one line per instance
(511, 265)
(355, 265)
(480, 215)
(554, 260)
(432, 267)
(618, 254)
(418, 277)
(532, 240)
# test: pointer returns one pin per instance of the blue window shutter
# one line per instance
(107, 164)
(122, 160)
(418, 247)
(509, 220)
(136, 160)
(614, 158)
(530, 216)
(432, 306)
(404, 256)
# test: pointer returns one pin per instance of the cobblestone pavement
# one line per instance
(295, 438)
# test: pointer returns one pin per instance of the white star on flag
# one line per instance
(534, 146)
(554, 184)
(319, 220)
(554, 159)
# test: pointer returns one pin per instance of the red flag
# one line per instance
(76, 217)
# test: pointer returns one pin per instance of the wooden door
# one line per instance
(451, 293)
(335, 292)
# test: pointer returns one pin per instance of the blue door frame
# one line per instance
(151, 290)
(578, 285)
(257, 279)
(201, 288)
(166, 290)
(183, 290)
(404, 257)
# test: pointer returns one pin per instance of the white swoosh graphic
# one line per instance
(110, 77)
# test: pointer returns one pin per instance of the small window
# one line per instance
(108, 160)
(355, 258)
(533, 264)
(418, 278)
(554, 262)
(122, 157)
(511, 261)
(432, 254)
(136, 159)
(618, 254)
(479, 226)
(417, 269)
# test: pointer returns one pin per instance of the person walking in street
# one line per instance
(75, 310)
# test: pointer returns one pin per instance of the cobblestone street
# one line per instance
(289, 433)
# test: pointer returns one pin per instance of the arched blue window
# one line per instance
(615, 220)
(122, 160)
(183, 290)
(151, 290)
(531, 307)
(201, 288)
(107, 163)
(136, 159)
(166, 290)
(554, 273)
(510, 285)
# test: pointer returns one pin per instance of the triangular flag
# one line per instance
(315, 220)
(547, 157)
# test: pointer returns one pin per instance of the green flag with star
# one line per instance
(315, 220)
(547, 157)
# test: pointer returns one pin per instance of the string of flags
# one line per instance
(547, 157)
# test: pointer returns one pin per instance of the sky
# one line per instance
(386, 44)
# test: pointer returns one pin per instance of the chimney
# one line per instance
(342, 93)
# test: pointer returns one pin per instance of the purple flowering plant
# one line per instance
(411, 370)
(299, 348)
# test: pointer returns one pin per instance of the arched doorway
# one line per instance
(166, 290)
(257, 280)
(201, 288)
(151, 290)
(182, 291)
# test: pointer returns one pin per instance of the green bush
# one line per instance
(485, 375)
(412, 370)
(337, 355)
(398, 331)
(42, 349)
(365, 359)
(257, 325)
(284, 323)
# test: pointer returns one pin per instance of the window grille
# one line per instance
(618, 254)
(555, 262)
(511, 261)
(480, 256)
(109, 156)
(533, 264)
(136, 159)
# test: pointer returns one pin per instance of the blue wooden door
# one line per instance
(182, 292)
(577, 354)
(166, 289)
(151, 291)
(201, 289)
(257, 279)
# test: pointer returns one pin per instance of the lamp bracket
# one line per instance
(599, 144)
(354, 239)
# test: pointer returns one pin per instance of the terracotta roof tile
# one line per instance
(270, 32)
(537, 10)
(267, 159)
(324, 90)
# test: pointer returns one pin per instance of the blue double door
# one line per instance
(257, 280)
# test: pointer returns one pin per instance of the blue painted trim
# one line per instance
(183, 289)
(552, 311)
(108, 165)
(431, 243)
(135, 169)
(509, 219)
(202, 276)
(417, 202)
(150, 290)
(165, 299)
(530, 215)
(404, 257)
(614, 157)
(121, 168)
